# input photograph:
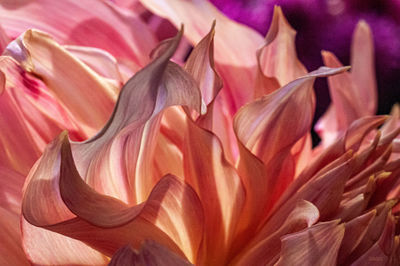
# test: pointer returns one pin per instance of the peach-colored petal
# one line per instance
(44, 247)
(85, 94)
(323, 190)
(100, 61)
(200, 65)
(277, 58)
(158, 218)
(129, 138)
(219, 188)
(304, 215)
(150, 254)
(235, 57)
(262, 127)
(20, 149)
(94, 23)
(317, 245)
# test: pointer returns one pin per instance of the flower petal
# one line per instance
(317, 245)
(277, 58)
(304, 215)
(219, 188)
(150, 254)
(234, 56)
(354, 233)
(262, 127)
(363, 66)
(110, 28)
(84, 93)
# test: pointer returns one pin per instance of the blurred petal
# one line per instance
(94, 23)
(11, 252)
(363, 66)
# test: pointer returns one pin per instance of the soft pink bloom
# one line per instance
(205, 161)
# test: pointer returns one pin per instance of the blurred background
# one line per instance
(328, 25)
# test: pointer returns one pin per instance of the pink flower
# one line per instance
(208, 162)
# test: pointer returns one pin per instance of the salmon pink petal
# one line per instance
(277, 58)
(354, 233)
(363, 66)
(94, 23)
(44, 247)
(353, 94)
(11, 252)
(129, 138)
(11, 183)
(255, 124)
(84, 93)
(200, 65)
(380, 252)
(234, 57)
(304, 215)
(262, 127)
(10, 204)
(317, 245)
(158, 218)
(22, 151)
(150, 254)
(374, 231)
(219, 188)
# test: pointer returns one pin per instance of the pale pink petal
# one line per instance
(11, 252)
(353, 94)
(100, 61)
(317, 245)
(94, 23)
(84, 93)
(150, 254)
(363, 67)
